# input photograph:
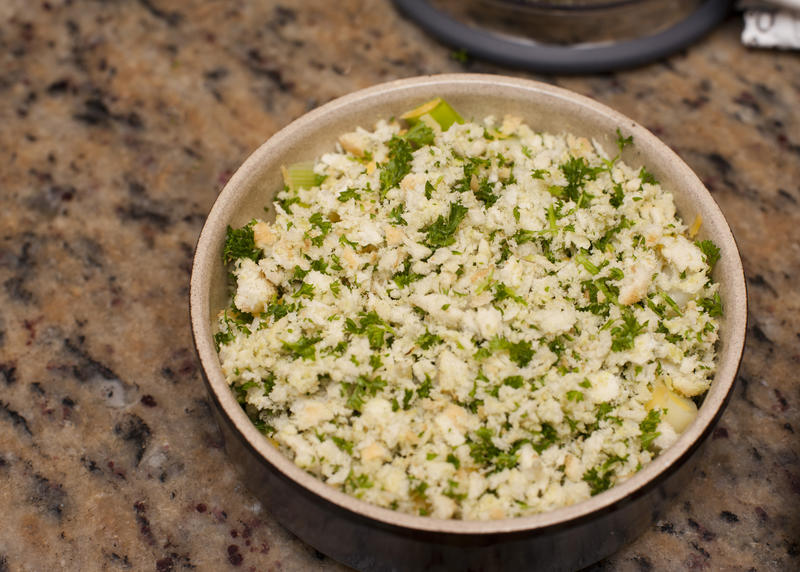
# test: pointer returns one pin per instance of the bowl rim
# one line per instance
(207, 254)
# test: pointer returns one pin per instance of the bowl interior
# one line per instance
(544, 108)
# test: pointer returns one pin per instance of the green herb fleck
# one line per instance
(429, 189)
(548, 436)
(371, 326)
(648, 428)
(286, 204)
(712, 306)
(348, 194)
(622, 336)
(419, 135)
(599, 478)
(647, 177)
(623, 142)
(503, 292)
(577, 172)
(575, 395)
(440, 233)
(424, 390)
(582, 258)
(323, 225)
(397, 215)
(355, 481)
(672, 304)
(363, 387)
(305, 291)
(520, 352)
(343, 444)
(240, 243)
(428, 340)
(485, 193)
(618, 196)
(320, 266)
(406, 276)
(303, 348)
(280, 309)
(710, 251)
(407, 395)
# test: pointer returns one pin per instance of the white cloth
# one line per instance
(771, 23)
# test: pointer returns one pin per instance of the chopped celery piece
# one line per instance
(438, 109)
(679, 411)
(695, 228)
(300, 175)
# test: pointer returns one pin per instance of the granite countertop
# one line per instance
(121, 121)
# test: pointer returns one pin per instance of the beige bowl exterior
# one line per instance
(370, 537)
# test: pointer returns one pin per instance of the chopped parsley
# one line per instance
(429, 190)
(362, 387)
(485, 193)
(240, 243)
(396, 214)
(577, 171)
(371, 326)
(600, 478)
(575, 395)
(305, 291)
(618, 196)
(470, 170)
(348, 194)
(623, 142)
(355, 481)
(419, 135)
(286, 204)
(647, 177)
(424, 390)
(223, 338)
(440, 233)
(428, 340)
(484, 452)
(648, 428)
(406, 276)
(320, 266)
(520, 352)
(280, 309)
(503, 292)
(710, 252)
(324, 227)
(398, 165)
(582, 258)
(303, 348)
(712, 306)
(343, 444)
(622, 336)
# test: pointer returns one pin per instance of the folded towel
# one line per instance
(771, 23)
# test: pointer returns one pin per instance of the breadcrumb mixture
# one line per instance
(480, 323)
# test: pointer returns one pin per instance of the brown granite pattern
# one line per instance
(119, 123)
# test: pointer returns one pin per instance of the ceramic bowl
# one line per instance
(368, 537)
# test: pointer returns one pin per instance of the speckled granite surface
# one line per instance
(120, 121)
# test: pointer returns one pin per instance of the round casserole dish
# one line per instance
(368, 537)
